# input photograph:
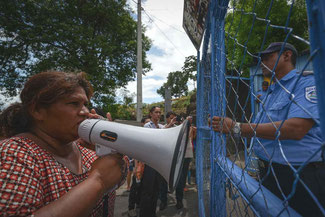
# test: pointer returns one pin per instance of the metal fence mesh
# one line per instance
(230, 181)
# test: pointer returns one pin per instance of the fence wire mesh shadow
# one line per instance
(275, 166)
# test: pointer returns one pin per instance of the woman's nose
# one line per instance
(84, 111)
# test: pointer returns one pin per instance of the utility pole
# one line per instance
(139, 65)
(168, 101)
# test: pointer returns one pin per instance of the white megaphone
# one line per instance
(162, 149)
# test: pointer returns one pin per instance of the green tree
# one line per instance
(127, 97)
(190, 67)
(126, 108)
(248, 23)
(98, 37)
(161, 91)
(177, 81)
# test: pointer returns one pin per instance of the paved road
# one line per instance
(190, 204)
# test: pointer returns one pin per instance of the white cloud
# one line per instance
(170, 44)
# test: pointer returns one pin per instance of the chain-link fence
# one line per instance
(260, 150)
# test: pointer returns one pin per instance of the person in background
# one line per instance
(45, 170)
(128, 177)
(170, 122)
(261, 94)
(135, 190)
(150, 180)
(170, 119)
(294, 125)
(187, 160)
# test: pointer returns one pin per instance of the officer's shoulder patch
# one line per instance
(306, 73)
(310, 94)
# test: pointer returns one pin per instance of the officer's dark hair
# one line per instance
(153, 108)
(170, 113)
(40, 91)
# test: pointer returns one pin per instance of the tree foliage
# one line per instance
(249, 23)
(177, 81)
(98, 37)
(126, 97)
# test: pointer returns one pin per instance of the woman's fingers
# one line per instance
(86, 144)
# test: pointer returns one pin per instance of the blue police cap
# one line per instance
(276, 46)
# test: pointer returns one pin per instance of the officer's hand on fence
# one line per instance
(222, 124)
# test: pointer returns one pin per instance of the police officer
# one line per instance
(290, 107)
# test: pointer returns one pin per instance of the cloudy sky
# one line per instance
(170, 44)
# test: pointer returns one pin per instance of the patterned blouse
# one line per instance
(31, 178)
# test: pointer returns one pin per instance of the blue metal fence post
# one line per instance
(201, 124)
(199, 144)
(316, 20)
(218, 105)
(215, 171)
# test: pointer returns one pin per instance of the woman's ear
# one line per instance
(37, 113)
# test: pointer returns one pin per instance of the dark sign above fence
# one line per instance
(194, 15)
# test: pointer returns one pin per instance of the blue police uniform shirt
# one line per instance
(278, 107)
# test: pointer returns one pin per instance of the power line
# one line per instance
(152, 20)
(173, 27)
(162, 32)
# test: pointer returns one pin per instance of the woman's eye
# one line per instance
(74, 103)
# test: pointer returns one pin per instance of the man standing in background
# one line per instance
(170, 122)
(150, 180)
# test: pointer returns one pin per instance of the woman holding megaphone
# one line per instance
(44, 169)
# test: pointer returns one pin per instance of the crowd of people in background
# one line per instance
(148, 185)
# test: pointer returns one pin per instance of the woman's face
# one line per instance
(61, 120)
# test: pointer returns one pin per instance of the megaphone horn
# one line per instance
(162, 149)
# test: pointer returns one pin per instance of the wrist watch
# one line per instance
(236, 129)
